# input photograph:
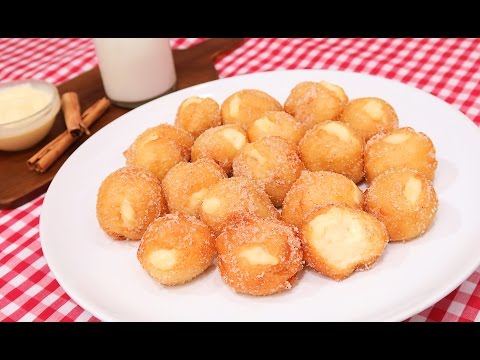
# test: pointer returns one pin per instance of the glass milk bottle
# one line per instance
(135, 71)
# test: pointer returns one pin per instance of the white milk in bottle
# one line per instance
(135, 70)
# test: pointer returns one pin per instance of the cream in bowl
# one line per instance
(27, 113)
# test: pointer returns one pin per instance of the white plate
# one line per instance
(105, 278)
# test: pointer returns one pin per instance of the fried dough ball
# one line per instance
(245, 106)
(402, 148)
(314, 102)
(221, 143)
(404, 200)
(186, 184)
(276, 123)
(273, 162)
(176, 248)
(370, 116)
(233, 197)
(259, 256)
(159, 148)
(319, 188)
(196, 115)
(128, 200)
(333, 146)
(338, 240)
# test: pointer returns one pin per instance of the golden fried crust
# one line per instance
(159, 148)
(319, 188)
(314, 102)
(276, 123)
(128, 200)
(245, 106)
(259, 256)
(196, 115)
(221, 144)
(273, 162)
(186, 184)
(338, 240)
(404, 200)
(176, 248)
(333, 146)
(369, 116)
(401, 148)
(232, 197)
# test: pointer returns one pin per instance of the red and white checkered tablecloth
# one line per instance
(447, 68)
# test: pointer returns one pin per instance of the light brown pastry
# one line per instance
(333, 146)
(338, 240)
(314, 102)
(319, 188)
(176, 248)
(245, 106)
(159, 148)
(404, 200)
(221, 144)
(369, 116)
(233, 197)
(186, 184)
(273, 162)
(196, 115)
(259, 256)
(401, 148)
(276, 123)
(128, 200)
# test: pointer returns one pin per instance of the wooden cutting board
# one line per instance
(19, 185)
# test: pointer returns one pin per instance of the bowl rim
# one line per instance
(52, 91)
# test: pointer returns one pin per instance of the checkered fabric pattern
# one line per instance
(447, 68)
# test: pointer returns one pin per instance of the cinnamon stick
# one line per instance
(71, 113)
(46, 156)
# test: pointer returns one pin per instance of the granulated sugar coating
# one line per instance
(259, 256)
(186, 184)
(276, 123)
(333, 146)
(314, 102)
(319, 188)
(401, 148)
(176, 248)
(196, 115)
(339, 240)
(273, 162)
(220, 144)
(404, 200)
(234, 197)
(246, 106)
(159, 148)
(128, 200)
(370, 116)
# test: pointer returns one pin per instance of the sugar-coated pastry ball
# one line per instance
(333, 146)
(319, 188)
(176, 248)
(314, 102)
(159, 148)
(197, 114)
(259, 256)
(401, 148)
(273, 162)
(370, 116)
(128, 200)
(186, 184)
(233, 197)
(404, 200)
(276, 123)
(246, 106)
(221, 144)
(338, 240)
